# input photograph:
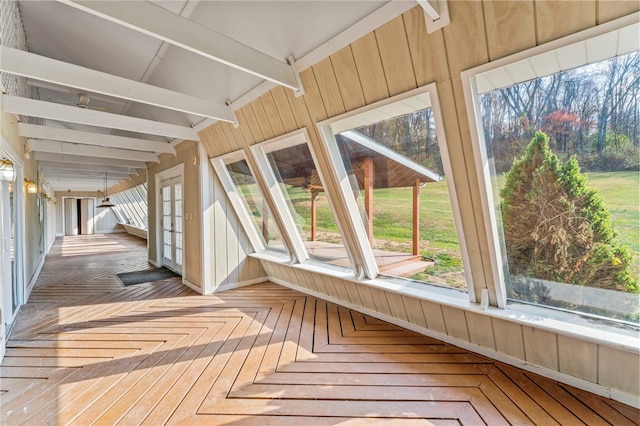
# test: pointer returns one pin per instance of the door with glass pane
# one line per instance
(172, 224)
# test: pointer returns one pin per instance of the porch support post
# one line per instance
(367, 168)
(416, 217)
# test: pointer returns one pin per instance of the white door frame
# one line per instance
(63, 213)
(19, 193)
(170, 173)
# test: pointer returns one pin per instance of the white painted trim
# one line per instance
(34, 277)
(231, 286)
(158, 22)
(219, 165)
(154, 263)
(170, 173)
(207, 202)
(325, 128)
(38, 67)
(499, 356)
(259, 152)
(192, 286)
(90, 117)
(89, 138)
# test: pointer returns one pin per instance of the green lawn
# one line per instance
(393, 231)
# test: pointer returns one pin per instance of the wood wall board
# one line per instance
(263, 121)
(370, 70)
(427, 50)
(464, 37)
(396, 57)
(396, 304)
(352, 291)
(414, 311)
(243, 126)
(346, 73)
(328, 86)
(235, 143)
(578, 358)
(433, 316)
(380, 300)
(284, 109)
(510, 26)
(319, 282)
(252, 122)
(312, 96)
(508, 338)
(340, 289)
(619, 369)
(456, 323)
(608, 10)
(300, 111)
(206, 139)
(366, 296)
(223, 143)
(271, 111)
(480, 330)
(541, 347)
(559, 18)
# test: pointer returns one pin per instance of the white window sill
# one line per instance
(563, 323)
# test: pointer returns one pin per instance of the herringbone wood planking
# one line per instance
(87, 350)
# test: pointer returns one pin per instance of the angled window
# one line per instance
(130, 206)
(393, 154)
(295, 183)
(557, 145)
(252, 208)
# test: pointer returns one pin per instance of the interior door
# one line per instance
(172, 236)
(70, 216)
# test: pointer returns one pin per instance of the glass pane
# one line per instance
(254, 202)
(564, 151)
(300, 184)
(397, 179)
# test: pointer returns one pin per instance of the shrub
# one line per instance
(558, 229)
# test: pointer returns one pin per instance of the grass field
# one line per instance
(392, 221)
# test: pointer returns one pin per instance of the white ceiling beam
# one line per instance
(90, 117)
(86, 167)
(70, 158)
(77, 175)
(34, 131)
(57, 147)
(436, 14)
(38, 67)
(160, 23)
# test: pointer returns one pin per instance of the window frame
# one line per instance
(297, 249)
(470, 83)
(220, 166)
(353, 213)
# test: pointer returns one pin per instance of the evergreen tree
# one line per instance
(558, 229)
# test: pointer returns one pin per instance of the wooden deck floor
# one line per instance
(87, 350)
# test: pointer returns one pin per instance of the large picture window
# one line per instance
(559, 141)
(250, 205)
(296, 186)
(392, 155)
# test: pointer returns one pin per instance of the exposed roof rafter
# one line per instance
(90, 117)
(57, 147)
(86, 167)
(72, 159)
(160, 23)
(38, 67)
(97, 139)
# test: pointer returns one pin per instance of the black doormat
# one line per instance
(148, 275)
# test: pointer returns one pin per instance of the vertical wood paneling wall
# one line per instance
(392, 59)
(229, 259)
